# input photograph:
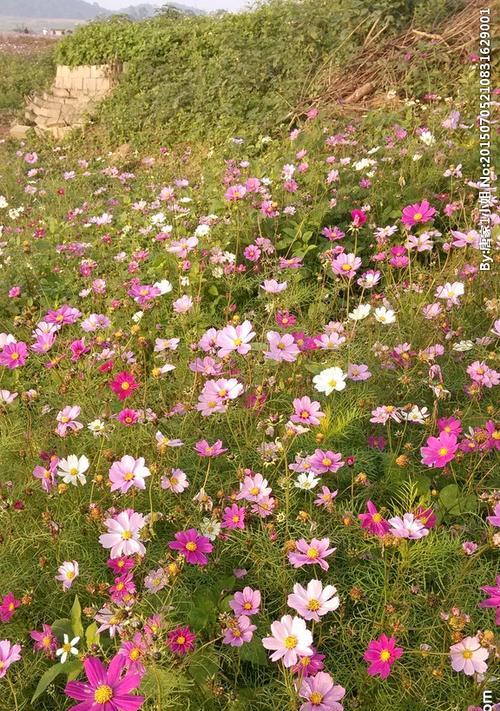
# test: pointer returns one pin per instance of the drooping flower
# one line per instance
(192, 545)
(107, 689)
(469, 657)
(8, 607)
(381, 655)
(313, 602)
(494, 598)
(290, 640)
(44, 641)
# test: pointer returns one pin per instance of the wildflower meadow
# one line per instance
(248, 414)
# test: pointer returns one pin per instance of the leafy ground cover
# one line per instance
(248, 419)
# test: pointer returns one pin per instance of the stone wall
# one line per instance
(70, 100)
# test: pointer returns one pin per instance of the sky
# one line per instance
(200, 4)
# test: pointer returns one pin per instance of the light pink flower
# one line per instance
(290, 640)
(314, 601)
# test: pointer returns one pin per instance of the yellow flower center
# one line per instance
(191, 546)
(126, 535)
(290, 642)
(316, 698)
(237, 341)
(103, 694)
(247, 606)
(304, 414)
(66, 647)
(467, 654)
(73, 471)
(417, 216)
(443, 451)
(180, 639)
(312, 553)
(385, 655)
(128, 476)
(235, 519)
(70, 575)
(46, 642)
(313, 605)
(125, 386)
(346, 267)
(377, 518)
(254, 490)
(135, 653)
(326, 462)
(14, 356)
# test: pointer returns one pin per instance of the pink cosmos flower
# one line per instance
(9, 653)
(8, 607)
(358, 373)
(469, 657)
(128, 472)
(439, 450)
(306, 411)
(47, 475)
(176, 481)
(313, 602)
(14, 355)
(234, 517)
(127, 416)
(495, 519)
(133, 652)
(311, 553)
(417, 214)
(181, 640)
(326, 498)
(373, 521)
(246, 602)
(235, 338)
(254, 488)
(282, 347)
(346, 265)
(63, 315)
(209, 450)
(192, 545)
(107, 689)
(271, 286)
(408, 527)
(290, 640)
(321, 693)
(239, 631)
(235, 192)
(124, 534)
(381, 655)
(494, 598)
(66, 419)
(68, 572)
(450, 425)
(309, 666)
(45, 641)
(322, 461)
(358, 218)
(124, 384)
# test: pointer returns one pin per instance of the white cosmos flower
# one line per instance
(360, 312)
(96, 427)
(416, 414)
(306, 481)
(329, 380)
(67, 648)
(383, 315)
(72, 469)
(164, 286)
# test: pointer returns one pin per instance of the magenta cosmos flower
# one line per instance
(123, 384)
(290, 640)
(373, 521)
(469, 657)
(234, 517)
(495, 519)
(321, 693)
(181, 640)
(417, 214)
(381, 655)
(107, 689)
(311, 553)
(494, 598)
(439, 450)
(124, 534)
(9, 653)
(8, 607)
(192, 545)
(14, 355)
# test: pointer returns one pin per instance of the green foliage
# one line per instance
(20, 75)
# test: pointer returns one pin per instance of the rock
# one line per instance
(19, 130)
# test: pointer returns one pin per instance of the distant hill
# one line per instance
(79, 9)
